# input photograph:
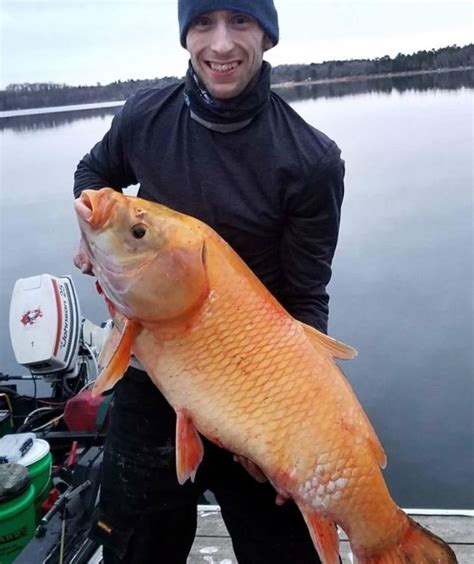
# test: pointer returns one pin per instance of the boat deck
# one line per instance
(213, 546)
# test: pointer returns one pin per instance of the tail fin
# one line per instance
(418, 545)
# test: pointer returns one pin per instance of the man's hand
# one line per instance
(258, 475)
(81, 259)
(251, 468)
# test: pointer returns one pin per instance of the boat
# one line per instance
(51, 442)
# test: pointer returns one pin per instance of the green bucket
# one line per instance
(38, 462)
(17, 513)
(5, 423)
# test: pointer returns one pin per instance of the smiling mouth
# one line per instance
(223, 67)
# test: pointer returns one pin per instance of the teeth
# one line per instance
(223, 67)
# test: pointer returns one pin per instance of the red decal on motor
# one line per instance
(31, 316)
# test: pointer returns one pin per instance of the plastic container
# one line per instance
(15, 446)
(38, 462)
(17, 511)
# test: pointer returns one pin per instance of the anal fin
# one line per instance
(324, 535)
(189, 448)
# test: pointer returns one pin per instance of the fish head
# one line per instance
(150, 261)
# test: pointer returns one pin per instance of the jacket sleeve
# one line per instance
(309, 242)
(108, 163)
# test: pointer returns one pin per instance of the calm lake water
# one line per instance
(403, 273)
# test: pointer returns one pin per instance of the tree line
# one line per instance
(437, 59)
(38, 95)
(45, 95)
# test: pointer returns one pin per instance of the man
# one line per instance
(224, 148)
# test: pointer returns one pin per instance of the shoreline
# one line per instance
(114, 103)
(59, 109)
(360, 78)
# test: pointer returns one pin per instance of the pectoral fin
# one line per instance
(324, 535)
(334, 348)
(189, 448)
(115, 357)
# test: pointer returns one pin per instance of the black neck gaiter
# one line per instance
(230, 115)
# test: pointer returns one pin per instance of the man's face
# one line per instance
(226, 51)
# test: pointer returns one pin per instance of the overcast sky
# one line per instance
(85, 42)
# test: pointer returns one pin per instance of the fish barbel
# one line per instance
(238, 369)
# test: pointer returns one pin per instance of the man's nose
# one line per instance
(222, 41)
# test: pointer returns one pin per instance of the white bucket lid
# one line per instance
(38, 451)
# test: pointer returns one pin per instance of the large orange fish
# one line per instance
(238, 369)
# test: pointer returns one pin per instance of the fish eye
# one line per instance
(139, 230)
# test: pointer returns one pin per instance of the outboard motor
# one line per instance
(45, 325)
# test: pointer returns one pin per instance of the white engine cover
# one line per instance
(45, 323)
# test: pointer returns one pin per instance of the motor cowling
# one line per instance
(45, 324)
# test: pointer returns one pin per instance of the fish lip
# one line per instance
(94, 207)
(82, 210)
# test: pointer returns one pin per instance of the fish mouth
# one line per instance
(94, 207)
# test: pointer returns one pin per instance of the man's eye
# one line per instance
(201, 21)
(241, 19)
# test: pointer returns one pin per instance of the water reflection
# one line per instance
(418, 83)
(401, 84)
(53, 120)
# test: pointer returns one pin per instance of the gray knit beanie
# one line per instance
(262, 10)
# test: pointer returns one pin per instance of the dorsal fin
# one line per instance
(373, 440)
(321, 341)
(336, 349)
(360, 424)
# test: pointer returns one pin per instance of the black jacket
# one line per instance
(273, 190)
